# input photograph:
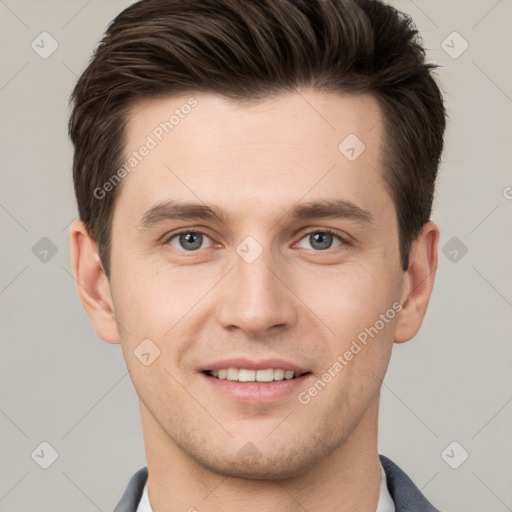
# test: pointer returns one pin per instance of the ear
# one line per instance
(418, 283)
(92, 283)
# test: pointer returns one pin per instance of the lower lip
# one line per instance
(257, 392)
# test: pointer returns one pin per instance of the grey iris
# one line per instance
(191, 240)
(322, 240)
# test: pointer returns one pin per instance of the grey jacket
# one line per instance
(405, 494)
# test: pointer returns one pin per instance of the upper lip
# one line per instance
(252, 364)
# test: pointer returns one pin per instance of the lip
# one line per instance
(256, 392)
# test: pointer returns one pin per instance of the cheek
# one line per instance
(169, 308)
(145, 298)
(350, 298)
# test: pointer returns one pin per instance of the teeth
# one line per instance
(232, 374)
(279, 374)
(245, 375)
(265, 375)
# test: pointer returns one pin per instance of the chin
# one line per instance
(271, 463)
(263, 469)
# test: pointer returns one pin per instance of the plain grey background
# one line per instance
(447, 394)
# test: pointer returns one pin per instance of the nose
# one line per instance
(256, 296)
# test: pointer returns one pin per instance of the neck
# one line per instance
(348, 479)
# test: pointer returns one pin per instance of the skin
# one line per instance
(295, 301)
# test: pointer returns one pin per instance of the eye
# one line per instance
(188, 240)
(321, 240)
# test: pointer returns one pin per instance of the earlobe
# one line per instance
(92, 283)
(418, 283)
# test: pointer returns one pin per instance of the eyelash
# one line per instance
(344, 241)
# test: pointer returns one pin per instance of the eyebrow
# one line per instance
(331, 209)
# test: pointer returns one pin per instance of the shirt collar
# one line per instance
(385, 503)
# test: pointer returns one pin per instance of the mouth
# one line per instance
(263, 385)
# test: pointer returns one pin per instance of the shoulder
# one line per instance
(131, 497)
(407, 497)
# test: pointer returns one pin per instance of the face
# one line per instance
(248, 239)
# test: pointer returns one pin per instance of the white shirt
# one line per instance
(385, 503)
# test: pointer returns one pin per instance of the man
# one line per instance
(254, 183)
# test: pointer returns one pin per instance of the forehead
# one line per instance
(209, 148)
(305, 117)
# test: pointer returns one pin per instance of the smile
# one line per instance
(247, 375)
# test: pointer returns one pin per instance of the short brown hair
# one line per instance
(249, 50)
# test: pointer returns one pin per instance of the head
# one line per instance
(307, 135)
